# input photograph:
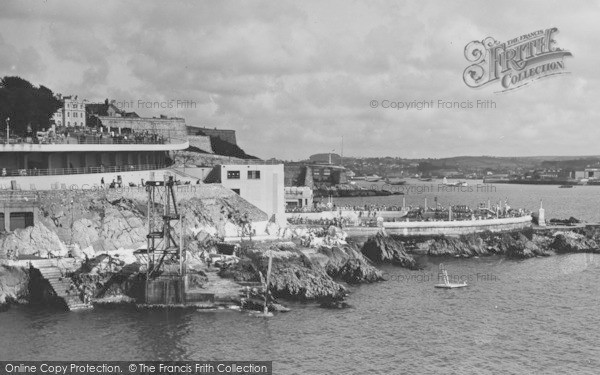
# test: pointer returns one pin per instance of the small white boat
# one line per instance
(457, 183)
(447, 284)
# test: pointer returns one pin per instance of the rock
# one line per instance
(520, 247)
(293, 275)
(349, 265)
(75, 252)
(244, 270)
(85, 233)
(14, 285)
(37, 240)
(385, 249)
(88, 252)
(572, 242)
(465, 246)
(296, 280)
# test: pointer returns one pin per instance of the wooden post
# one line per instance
(266, 309)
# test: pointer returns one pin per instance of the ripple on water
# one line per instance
(538, 314)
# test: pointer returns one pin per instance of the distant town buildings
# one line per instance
(72, 113)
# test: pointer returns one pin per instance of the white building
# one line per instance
(297, 197)
(72, 112)
(260, 184)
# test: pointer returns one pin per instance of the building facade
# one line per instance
(72, 112)
(259, 184)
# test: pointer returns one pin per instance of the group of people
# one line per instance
(337, 222)
(83, 135)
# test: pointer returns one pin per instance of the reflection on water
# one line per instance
(536, 315)
(529, 315)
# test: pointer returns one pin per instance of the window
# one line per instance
(237, 191)
(253, 175)
(233, 175)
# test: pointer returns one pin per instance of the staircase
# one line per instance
(51, 271)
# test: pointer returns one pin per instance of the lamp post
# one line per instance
(7, 129)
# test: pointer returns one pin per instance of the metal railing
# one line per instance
(89, 140)
(81, 170)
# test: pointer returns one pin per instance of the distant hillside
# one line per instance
(478, 163)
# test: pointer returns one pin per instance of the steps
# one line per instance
(50, 269)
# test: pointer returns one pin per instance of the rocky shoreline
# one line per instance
(314, 265)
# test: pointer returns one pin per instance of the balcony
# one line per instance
(80, 170)
(83, 142)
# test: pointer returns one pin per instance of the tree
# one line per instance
(26, 104)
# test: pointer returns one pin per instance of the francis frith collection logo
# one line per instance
(514, 63)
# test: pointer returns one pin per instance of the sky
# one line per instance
(294, 78)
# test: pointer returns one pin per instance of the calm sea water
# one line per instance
(531, 316)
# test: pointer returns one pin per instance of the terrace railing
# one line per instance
(81, 170)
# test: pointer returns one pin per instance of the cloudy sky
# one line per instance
(292, 78)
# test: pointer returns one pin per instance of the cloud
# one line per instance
(292, 78)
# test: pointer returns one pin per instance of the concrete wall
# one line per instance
(223, 134)
(454, 228)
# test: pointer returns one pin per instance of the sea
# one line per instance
(534, 316)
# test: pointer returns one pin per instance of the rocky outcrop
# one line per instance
(293, 275)
(573, 242)
(37, 240)
(14, 285)
(385, 249)
(349, 265)
(300, 279)
(468, 246)
(518, 246)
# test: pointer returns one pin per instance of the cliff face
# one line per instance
(386, 249)
(94, 222)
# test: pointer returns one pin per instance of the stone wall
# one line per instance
(223, 134)
(201, 142)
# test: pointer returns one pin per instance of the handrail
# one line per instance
(81, 170)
